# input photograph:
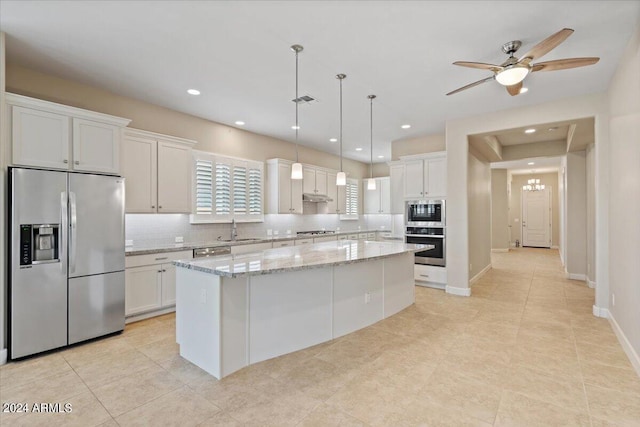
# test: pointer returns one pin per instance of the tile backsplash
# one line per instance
(162, 229)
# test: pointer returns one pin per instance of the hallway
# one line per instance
(524, 350)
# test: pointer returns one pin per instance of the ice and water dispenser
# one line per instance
(39, 243)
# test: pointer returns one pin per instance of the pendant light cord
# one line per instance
(296, 102)
(371, 123)
(341, 124)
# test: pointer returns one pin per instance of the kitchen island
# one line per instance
(233, 311)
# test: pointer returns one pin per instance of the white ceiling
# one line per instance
(237, 53)
(522, 166)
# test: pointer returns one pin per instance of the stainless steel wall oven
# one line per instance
(429, 236)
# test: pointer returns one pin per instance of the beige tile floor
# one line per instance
(524, 350)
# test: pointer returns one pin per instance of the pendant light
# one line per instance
(296, 168)
(341, 178)
(371, 183)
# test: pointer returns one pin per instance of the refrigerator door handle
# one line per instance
(62, 241)
(72, 232)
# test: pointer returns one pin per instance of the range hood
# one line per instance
(316, 198)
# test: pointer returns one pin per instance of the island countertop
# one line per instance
(294, 258)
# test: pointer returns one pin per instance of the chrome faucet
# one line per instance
(234, 230)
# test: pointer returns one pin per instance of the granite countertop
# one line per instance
(294, 258)
(156, 249)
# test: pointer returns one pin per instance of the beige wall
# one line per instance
(591, 212)
(479, 215)
(419, 145)
(379, 169)
(536, 149)
(576, 262)
(624, 206)
(499, 209)
(211, 136)
(550, 180)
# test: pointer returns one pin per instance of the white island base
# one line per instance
(226, 323)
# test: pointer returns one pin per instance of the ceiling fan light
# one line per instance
(296, 171)
(512, 75)
(341, 179)
(371, 184)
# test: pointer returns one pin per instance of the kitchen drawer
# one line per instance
(343, 237)
(428, 273)
(362, 236)
(324, 239)
(283, 244)
(300, 242)
(353, 237)
(371, 236)
(159, 258)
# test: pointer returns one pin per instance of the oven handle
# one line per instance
(436, 236)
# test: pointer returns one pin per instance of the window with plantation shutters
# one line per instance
(227, 188)
(351, 199)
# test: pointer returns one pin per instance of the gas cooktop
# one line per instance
(314, 232)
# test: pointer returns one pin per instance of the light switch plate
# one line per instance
(179, 239)
(128, 242)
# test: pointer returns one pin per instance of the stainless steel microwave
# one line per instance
(425, 213)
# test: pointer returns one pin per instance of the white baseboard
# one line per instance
(463, 292)
(149, 315)
(574, 276)
(3, 356)
(591, 284)
(475, 278)
(626, 345)
(600, 312)
(499, 251)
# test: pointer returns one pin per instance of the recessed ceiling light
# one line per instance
(529, 131)
(531, 163)
(240, 123)
(294, 127)
(193, 92)
(405, 126)
(358, 149)
(333, 139)
(524, 89)
(381, 157)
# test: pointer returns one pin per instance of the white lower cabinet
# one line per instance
(150, 282)
(300, 242)
(283, 244)
(324, 239)
(429, 275)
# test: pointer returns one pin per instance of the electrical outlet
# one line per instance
(128, 242)
(288, 232)
(613, 300)
(269, 232)
(275, 232)
(179, 239)
(367, 297)
(203, 296)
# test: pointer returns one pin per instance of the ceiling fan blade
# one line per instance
(514, 89)
(546, 45)
(469, 86)
(563, 64)
(479, 65)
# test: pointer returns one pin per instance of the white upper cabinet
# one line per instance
(314, 181)
(284, 195)
(157, 171)
(338, 204)
(377, 201)
(96, 146)
(425, 177)
(396, 182)
(49, 135)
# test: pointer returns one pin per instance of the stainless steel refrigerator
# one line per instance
(66, 281)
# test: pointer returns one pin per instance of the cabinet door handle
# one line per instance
(153, 206)
(159, 271)
(77, 162)
(159, 207)
(164, 271)
(160, 259)
(424, 275)
(65, 161)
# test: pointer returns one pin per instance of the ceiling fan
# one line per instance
(513, 71)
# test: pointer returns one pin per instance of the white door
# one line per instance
(168, 285)
(436, 177)
(142, 289)
(174, 178)
(139, 168)
(413, 179)
(396, 173)
(321, 182)
(308, 180)
(332, 192)
(284, 188)
(371, 198)
(385, 195)
(96, 146)
(296, 195)
(536, 218)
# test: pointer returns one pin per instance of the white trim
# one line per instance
(600, 312)
(422, 156)
(149, 314)
(463, 292)
(626, 345)
(591, 284)
(575, 276)
(555, 247)
(3, 356)
(139, 133)
(479, 275)
(500, 251)
(41, 105)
